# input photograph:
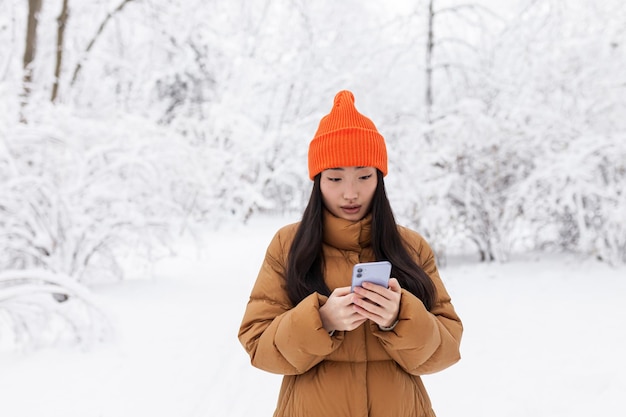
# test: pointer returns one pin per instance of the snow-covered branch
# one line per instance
(41, 308)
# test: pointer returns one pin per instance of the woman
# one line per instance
(345, 353)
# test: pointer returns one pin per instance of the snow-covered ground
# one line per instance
(544, 336)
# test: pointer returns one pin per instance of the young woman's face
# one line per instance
(347, 192)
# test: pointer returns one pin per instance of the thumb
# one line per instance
(394, 285)
(340, 291)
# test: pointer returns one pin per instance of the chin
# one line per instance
(352, 217)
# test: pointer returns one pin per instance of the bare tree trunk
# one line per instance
(34, 7)
(103, 25)
(430, 46)
(61, 24)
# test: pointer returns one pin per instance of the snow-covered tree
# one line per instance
(150, 119)
(39, 308)
(81, 199)
(562, 108)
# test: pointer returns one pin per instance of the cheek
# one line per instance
(323, 190)
(330, 189)
(327, 193)
(370, 193)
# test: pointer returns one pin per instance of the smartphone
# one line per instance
(375, 272)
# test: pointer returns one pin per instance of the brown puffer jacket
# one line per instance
(363, 372)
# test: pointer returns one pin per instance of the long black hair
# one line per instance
(305, 261)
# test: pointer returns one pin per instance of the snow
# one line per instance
(188, 112)
(543, 337)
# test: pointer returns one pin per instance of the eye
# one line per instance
(334, 179)
(366, 177)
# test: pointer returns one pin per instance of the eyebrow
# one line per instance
(342, 169)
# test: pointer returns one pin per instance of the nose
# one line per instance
(351, 191)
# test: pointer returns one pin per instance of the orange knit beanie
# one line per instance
(346, 138)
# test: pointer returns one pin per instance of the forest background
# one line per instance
(126, 124)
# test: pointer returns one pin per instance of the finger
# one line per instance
(394, 285)
(386, 293)
(341, 291)
(372, 306)
(378, 305)
(371, 296)
(352, 320)
(377, 315)
(368, 288)
(356, 323)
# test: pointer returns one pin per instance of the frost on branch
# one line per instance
(73, 203)
(40, 308)
(77, 199)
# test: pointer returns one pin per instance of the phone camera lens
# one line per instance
(359, 270)
(359, 275)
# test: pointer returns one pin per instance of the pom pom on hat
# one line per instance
(346, 138)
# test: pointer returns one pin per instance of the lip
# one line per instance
(351, 209)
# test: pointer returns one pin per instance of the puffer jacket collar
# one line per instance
(345, 234)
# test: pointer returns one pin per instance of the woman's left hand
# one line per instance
(377, 303)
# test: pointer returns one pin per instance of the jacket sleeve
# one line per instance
(424, 342)
(278, 337)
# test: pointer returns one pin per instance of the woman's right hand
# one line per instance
(339, 312)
